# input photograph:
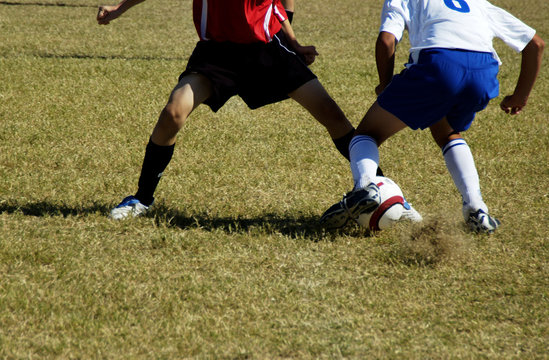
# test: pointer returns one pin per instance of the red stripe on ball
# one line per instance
(382, 208)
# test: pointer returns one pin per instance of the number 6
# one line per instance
(463, 6)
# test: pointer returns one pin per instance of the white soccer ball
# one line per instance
(390, 209)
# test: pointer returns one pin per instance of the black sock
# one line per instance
(342, 143)
(290, 15)
(156, 159)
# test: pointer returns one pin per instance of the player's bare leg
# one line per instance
(443, 133)
(316, 100)
(379, 124)
(191, 91)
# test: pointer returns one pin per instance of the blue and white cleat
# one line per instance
(480, 222)
(353, 204)
(129, 207)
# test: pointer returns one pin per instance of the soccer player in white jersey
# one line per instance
(451, 75)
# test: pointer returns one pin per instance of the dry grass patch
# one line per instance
(231, 262)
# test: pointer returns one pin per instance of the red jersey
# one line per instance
(239, 21)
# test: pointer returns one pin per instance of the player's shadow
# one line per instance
(297, 227)
(300, 226)
(108, 57)
(44, 208)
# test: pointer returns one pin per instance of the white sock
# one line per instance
(461, 165)
(364, 157)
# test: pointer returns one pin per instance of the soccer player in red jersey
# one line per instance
(239, 53)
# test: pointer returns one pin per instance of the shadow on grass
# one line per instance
(303, 227)
(269, 223)
(109, 57)
(43, 208)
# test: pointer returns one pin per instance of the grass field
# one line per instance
(231, 263)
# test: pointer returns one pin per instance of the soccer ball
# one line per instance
(390, 209)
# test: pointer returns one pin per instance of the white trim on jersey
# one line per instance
(266, 23)
(278, 13)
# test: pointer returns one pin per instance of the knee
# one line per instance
(173, 116)
(442, 138)
(443, 133)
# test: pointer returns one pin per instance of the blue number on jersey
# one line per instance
(463, 7)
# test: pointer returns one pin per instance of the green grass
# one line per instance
(231, 263)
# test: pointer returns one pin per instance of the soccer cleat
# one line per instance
(410, 213)
(129, 207)
(353, 204)
(480, 222)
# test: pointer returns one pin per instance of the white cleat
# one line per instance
(129, 207)
(410, 213)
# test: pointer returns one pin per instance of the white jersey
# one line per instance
(453, 24)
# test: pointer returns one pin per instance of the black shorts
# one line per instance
(259, 73)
